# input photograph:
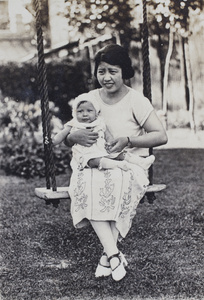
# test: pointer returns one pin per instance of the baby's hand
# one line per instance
(107, 147)
(118, 145)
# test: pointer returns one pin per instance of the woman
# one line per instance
(108, 198)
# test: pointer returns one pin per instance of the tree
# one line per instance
(175, 16)
(92, 18)
(181, 12)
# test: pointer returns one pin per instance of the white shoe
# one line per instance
(118, 272)
(123, 259)
(103, 270)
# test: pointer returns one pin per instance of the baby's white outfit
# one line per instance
(81, 154)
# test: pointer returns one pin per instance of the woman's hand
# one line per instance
(84, 137)
(117, 145)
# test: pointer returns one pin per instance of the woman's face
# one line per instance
(109, 77)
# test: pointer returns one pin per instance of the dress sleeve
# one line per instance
(141, 106)
(69, 123)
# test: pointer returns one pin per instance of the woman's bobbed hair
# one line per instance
(115, 55)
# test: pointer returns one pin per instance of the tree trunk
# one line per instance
(190, 86)
(117, 37)
(184, 72)
(182, 67)
(91, 60)
(160, 53)
(166, 73)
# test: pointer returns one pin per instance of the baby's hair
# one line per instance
(82, 102)
(85, 99)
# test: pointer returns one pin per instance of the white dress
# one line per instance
(113, 195)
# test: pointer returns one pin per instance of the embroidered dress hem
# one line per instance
(107, 195)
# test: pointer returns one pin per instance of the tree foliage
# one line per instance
(66, 79)
(175, 13)
(92, 18)
(174, 16)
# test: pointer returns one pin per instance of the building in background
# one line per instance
(17, 28)
(58, 23)
(16, 31)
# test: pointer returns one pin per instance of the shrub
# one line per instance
(21, 139)
(66, 80)
(27, 161)
(20, 112)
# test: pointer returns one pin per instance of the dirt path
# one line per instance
(184, 138)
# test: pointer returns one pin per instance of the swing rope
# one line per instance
(43, 89)
(51, 196)
(146, 70)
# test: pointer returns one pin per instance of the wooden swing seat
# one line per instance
(63, 192)
(49, 195)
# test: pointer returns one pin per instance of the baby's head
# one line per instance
(85, 109)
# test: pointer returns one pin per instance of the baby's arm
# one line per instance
(108, 135)
(59, 137)
(108, 138)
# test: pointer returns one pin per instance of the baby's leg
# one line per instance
(143, 162)
(107, 163)
(94, 162)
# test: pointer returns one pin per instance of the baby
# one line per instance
(86, 115)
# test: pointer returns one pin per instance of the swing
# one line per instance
(54, 194)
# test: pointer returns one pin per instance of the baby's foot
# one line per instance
(106, 163)
(124, 165)
(147, 162)
(143, 162)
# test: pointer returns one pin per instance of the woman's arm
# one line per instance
(155, 133)
(155, 136)
(84, 137)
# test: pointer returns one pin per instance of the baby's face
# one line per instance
(86, 112)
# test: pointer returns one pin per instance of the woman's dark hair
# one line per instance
(115, 55)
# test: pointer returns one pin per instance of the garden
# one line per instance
(42, 255)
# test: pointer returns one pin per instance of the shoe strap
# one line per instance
(103, 265)
(114, 255)
(104, 254)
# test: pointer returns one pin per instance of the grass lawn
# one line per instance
(43, 257)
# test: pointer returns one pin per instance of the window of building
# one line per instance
(4, 15)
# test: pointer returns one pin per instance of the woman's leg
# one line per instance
(104, 232)
(115, 231)
(105, 235)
